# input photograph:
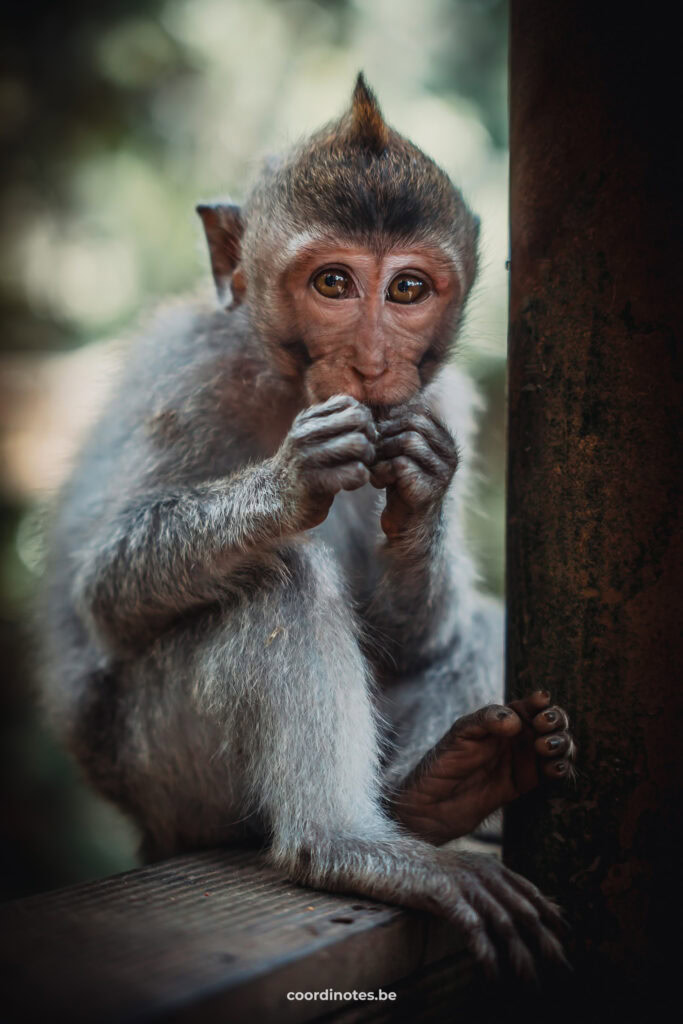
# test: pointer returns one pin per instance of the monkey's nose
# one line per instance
(370, 372)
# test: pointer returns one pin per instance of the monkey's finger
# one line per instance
(437, 436)
(412, 444)
(532, 919)
(502, 928)
(333, 424)
(530, 705)
(538, 916)
(382, 475)
(417, 488)
(474, 931)
(492, 719)
(553, 719)
(334, 404)
(547, 910)
(336, 450)
(348, 477)
(512, 921)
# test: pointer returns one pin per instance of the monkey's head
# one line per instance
(355, 255)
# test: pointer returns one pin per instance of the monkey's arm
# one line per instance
(169, 552)
(174, 550)
(415, 606)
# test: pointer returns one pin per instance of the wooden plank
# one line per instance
(214, 936)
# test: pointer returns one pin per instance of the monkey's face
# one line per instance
(366, 322)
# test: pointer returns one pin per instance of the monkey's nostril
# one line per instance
(369, 375)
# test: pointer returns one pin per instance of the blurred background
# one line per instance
(115, 118)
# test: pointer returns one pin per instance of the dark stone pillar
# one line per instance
(594, 537)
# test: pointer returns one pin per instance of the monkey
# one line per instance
(262, 621)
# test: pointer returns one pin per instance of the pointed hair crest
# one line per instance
(366, 125)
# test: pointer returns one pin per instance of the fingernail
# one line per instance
(553, 743)
(501, 714)
(544, 693)
(560, 767)
(550, 716)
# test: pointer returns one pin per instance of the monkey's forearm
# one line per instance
(175, 551)
(415, 597)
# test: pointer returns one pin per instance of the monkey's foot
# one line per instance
(484, 761)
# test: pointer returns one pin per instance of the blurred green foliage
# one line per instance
(115, 118)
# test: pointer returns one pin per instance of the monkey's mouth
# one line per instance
(381, 411)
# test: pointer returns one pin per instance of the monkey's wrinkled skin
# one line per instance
(261, 615)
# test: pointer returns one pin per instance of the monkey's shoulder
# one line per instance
(171, 417)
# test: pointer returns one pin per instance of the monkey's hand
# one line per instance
(328, 449)
(416, 459)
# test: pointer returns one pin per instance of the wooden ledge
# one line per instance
(215, 936)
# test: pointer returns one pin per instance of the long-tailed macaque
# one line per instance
(262, 617)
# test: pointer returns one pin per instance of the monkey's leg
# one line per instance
(319, 792)
(265, 711)
(481, 760)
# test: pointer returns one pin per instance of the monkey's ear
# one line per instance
(224, 228)
(368, 127)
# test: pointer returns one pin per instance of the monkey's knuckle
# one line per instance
(502, 922)
(343, 402)
(356, 443)
(360, 474)
(298, 436)
(355, 417)
(414, 443)
(303, 417)
(491, 710)
(404, 466)
(368, 452)
(528, 915)
(422, 426)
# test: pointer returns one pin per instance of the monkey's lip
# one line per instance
(380, 412)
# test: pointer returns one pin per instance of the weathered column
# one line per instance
(594, 538)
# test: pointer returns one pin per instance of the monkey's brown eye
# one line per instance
(407, 288)
(333, 284)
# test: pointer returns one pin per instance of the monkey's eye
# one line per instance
(333, 284)
(407, 288)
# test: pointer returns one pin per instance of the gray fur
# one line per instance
(222, 669)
